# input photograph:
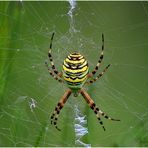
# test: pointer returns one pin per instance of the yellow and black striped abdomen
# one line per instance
(75, 68)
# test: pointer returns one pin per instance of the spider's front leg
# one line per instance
(99, 61)
(54, 72)
(53, 75)
(91, 74)
(58, 108)
(97, 77)
(96, 110)
(51, 59)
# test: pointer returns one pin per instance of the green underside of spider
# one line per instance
(75, 89)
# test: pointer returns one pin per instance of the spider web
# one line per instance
(29, 94)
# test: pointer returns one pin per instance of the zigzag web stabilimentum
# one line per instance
(80, 123)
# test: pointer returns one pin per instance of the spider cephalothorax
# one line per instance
(76, 74)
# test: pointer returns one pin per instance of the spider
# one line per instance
(76, 74)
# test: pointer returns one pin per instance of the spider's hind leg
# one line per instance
(60, 105)
(96, 110)
(54, 116)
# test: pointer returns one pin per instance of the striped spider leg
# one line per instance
(58, 108)
(53, 75)
(96, 110)
(90, 75)
(54, 72)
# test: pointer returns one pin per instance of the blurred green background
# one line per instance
(25, 31)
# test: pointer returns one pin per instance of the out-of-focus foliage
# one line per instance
(28, 94)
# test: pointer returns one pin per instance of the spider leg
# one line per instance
(96, 110)
(53, 75)
(60, 105)
(51, 59)
(100, 75)
(99, 61)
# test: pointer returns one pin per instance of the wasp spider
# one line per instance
(76, 74)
